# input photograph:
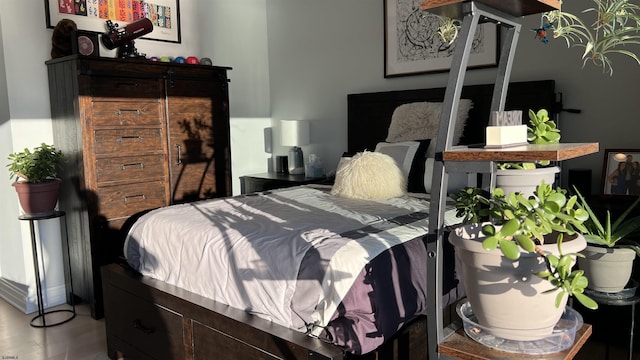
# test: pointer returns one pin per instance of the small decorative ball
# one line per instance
(165, 59)
(192, 60)
(206, 61)
(180, 60)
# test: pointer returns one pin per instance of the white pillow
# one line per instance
(369, 175)
(421, 120)
(402, 152)
(410, 156)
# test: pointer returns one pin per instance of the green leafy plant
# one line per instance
(607, 234)
(616, 25)
(541, 130)
(515, 223)
(37, 165)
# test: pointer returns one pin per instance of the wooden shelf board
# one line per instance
(552, 152)
(453, 8)
(460, 346)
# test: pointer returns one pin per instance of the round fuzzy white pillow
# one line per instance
(369, 175)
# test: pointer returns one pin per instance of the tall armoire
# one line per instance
(136, 135)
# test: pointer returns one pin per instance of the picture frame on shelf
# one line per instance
(91, 15)
(413, 46)
(621, 172)
(85, 43)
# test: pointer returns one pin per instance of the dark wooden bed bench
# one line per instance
(149, 319)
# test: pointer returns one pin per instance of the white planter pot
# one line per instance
(506, 295)
(608, 269)
(525, 181)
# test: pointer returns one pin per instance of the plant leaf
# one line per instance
(510, 249)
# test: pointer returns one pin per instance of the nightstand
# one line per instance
(269, 181)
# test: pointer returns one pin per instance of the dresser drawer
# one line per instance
(127, 141)
(139, 112)
(126, 88)
(150, 328)
(125, 200)
(143, 167)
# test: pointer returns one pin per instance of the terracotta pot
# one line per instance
(38, 198)
(608, 269)
(506, 296)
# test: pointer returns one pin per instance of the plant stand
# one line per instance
(508, 15)
(611, 301)
(42, 314)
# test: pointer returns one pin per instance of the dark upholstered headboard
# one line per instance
(370, 113)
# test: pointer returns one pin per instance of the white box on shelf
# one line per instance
(504, 136)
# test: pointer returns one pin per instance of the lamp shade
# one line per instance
(294, 132)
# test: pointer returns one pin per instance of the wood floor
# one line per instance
(82, 338)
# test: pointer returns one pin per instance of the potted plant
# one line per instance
(517, 257)
(608, 257)
(37, 183)
(525, 176)
(616, 24)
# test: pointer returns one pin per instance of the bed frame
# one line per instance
(149, 319)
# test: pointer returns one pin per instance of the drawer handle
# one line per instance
(123, 138)
(137, 324)
(141, 196)
(179, 161)
(124, 166)
(127, 84)
(120, 111)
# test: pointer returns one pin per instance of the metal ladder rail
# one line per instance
(474, 12)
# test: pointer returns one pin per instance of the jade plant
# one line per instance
(35, 166)
(512, 222)
(541, 130)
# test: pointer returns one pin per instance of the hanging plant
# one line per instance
(617, 24)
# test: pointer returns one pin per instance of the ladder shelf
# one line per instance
(506, 13)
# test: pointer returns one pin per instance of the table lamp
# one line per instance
(295, 133)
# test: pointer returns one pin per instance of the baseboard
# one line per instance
(18, 296)
(15, 294)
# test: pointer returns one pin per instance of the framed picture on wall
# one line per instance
(91, 15)
(621, 172)
(413, 46)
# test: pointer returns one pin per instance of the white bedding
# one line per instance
(223, 249)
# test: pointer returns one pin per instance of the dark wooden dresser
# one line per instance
(136, 135)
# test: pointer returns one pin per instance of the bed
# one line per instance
(154, 308)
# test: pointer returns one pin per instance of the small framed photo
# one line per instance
(621, 172)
